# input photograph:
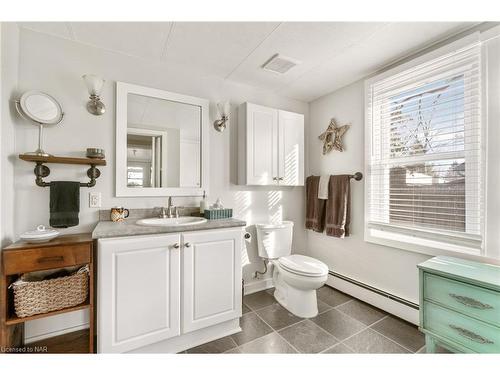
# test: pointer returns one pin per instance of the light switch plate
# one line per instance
(95, 200)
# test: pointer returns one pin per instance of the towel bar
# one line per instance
(42, 171)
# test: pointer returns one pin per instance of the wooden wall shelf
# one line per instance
(62, 160)
(42, 170)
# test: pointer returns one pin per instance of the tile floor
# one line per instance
(343, 325)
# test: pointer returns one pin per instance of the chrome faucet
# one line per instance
(171, 209)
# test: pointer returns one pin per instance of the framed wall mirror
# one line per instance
(161, 143)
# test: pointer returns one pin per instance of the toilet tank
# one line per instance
(274, 240)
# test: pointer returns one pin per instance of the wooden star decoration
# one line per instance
(332, 137)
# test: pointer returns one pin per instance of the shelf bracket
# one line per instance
(41, 171)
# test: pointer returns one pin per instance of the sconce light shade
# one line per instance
(223, 109)
(94, 86)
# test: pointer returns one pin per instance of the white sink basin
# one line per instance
(172, 222)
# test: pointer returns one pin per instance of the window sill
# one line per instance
(420, 245)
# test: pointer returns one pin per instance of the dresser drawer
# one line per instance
(471, 333)
(477, 302)
(27, 260)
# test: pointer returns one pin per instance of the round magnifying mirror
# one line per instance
(42, 109)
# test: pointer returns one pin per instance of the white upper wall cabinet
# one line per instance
(271, 146)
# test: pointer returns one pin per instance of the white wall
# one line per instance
(9, 75)
(56, 65)
(389, 269)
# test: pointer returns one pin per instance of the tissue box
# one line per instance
(220, 213)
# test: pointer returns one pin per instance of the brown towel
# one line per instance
(338, 206)
(315, 208)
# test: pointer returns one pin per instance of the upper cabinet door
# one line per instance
(139, 291)
(291, 148)
(271, 146)
(261, 145)
(211, 278)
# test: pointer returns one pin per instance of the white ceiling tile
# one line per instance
(332, 54)
(141, 39)
(59, 29)
(312, 43)
(215, 47)
(385, 46)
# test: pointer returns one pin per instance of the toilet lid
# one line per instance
(303, 265)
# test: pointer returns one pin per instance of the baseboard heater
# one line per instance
(375, 290)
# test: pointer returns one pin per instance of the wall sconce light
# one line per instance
(223, 109)
(94, 86)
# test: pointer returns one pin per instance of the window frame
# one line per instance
(396, 235)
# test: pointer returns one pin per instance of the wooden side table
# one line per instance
(22, 257)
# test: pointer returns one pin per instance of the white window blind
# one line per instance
(425, 161)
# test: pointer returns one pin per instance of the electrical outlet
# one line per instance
(95, 200)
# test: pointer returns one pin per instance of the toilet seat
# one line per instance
(303, 265)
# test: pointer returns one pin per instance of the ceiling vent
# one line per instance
(280, 64)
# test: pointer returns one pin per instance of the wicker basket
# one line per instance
(38, 297)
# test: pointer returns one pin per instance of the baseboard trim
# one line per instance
(258, 285)
(375, 290)
(47, 335)
(376, 298)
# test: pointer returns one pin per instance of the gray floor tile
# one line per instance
(272, 343)
(252, 327)
(322, 307)
(277, 316)
(370, 341)
(258, 300)
(402, 332)
(338, 324)
(245, 309)
(338, 349)
(217, 346)
(307, 337)
(361, 311)
(332, 296)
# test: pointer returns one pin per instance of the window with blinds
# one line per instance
(425, 172)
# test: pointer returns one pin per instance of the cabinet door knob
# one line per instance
(280, 179)
(175, 246)
(275, 178)
(187, 244)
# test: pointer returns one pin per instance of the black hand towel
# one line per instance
(64, 204)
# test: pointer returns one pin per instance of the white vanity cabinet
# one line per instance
(168, 292)
(271, 146)
(211, 280)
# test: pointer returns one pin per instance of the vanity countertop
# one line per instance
(106, 229)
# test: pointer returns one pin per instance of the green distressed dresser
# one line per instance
(460, 305)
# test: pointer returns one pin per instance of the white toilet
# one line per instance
(296, 277)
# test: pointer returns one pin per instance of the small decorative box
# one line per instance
(218, 213)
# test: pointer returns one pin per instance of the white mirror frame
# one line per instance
(122, 190)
